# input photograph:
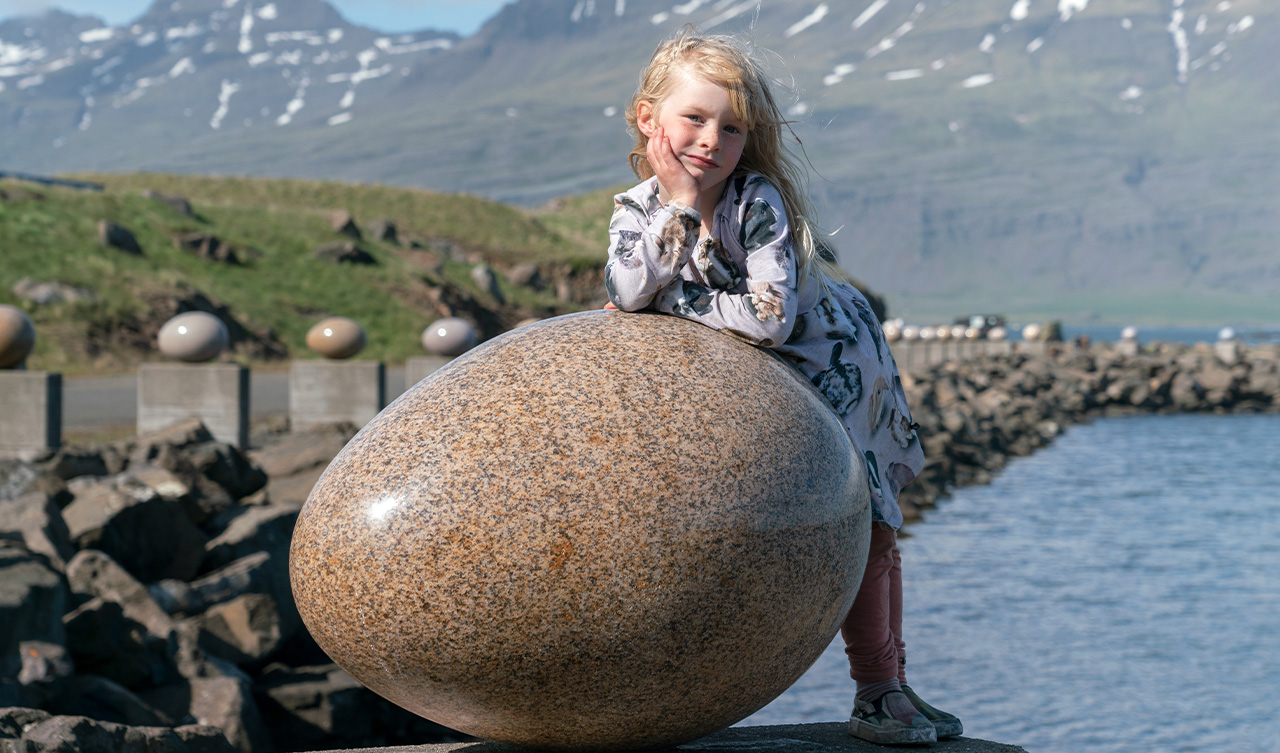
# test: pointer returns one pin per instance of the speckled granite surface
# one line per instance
(599, 531)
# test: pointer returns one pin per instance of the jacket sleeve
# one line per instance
(766, 313)
(646, 255)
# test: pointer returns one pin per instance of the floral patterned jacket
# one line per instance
(741, 278)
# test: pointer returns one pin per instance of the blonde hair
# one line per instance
(728, 63)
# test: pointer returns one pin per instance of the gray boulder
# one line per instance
(50, 293)
(343, 252)
(16, 720)
(244, 630)
(296, 461)
(526, 274)
(384, 230)
(208, 247)
(33, 598)
(73, 462)
(150, 536)
(93, 573)
(487, 281)
(321, 707)
(344, 224)
(101, 699)
(38, 520)
(104, 641)
(177, 203)
(80, 734)
(18, 478)
(256, 573)
(111, 235)
(265, 528)
(44, 663)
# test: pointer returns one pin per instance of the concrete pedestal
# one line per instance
(30, 411)
(215, 393)
(326, 392)
(420, 367)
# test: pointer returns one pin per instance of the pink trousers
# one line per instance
(872, 630)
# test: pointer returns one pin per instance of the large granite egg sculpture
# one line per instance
(17, 336)
(195, 337)
(601, 531)
(336, 337)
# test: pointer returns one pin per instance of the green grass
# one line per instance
(281, 287)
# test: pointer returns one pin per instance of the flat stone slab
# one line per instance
(826, 737)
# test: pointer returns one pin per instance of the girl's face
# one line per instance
(697, 117)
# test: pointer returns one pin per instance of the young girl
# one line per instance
(719, 231)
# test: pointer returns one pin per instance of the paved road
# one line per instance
(89, 402)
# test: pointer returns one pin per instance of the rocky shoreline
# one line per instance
(144, 593)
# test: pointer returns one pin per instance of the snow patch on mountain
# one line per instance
(730, 14)
(869, 13)
(293, 106)
(1068, 8)
(229, 88)
(182, 66)
(1181, 49)
(838, 74)
(388, 46)
(904, 75)
(813, 18)
(888, 42)
(100, 34)
(246, 29)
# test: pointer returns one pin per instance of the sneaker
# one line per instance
(872, 722)
(946, 725)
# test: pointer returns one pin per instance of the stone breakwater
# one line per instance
(145, 603)
(977, 414)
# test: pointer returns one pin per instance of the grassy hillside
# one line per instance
(280, 289)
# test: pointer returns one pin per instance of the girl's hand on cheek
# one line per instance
(680, 184)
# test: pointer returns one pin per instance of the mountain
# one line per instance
(1107, 159)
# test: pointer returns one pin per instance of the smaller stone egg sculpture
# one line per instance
(17, 336)
(1032, 331)
(449, 336)
(1129, 333)
(194, 337)
(336, 337)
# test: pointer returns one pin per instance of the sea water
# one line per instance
(1116, 591)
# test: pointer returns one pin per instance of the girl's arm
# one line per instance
(646, 255)
(766, 314)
